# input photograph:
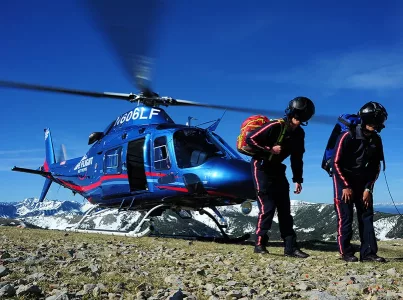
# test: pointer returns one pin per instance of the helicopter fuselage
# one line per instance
(144, 159)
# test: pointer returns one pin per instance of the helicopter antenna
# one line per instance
(222, 116)
(214, 126)
(189, 119)
(206, 122)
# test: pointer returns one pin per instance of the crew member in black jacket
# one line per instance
(356, 165)
(273, 143)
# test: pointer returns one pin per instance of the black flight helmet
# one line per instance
(374, 114)
(300, 108)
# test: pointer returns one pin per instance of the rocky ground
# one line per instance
(46, 264)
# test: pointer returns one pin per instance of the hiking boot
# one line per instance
(373, 257)
(261, 243)
(296, 253)
(260, 249)
(349, 258)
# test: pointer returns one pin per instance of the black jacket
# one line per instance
(293, 143)
(357, 159)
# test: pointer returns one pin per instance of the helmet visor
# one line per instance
(377, 122)
(302, 116)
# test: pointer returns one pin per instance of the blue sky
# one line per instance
(260, 54)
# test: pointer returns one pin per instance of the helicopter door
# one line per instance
(115, 183)
(135, 165)
(162, 162)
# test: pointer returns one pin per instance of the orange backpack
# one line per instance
(252, 124)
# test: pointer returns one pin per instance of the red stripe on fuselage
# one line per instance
(155, 174)
(215, 193)
(94, 185)
(173, 188)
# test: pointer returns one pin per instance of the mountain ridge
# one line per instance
(311, 220)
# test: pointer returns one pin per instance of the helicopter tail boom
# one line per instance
(31, 171)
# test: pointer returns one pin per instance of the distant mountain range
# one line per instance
(389, 208)
(311, 220)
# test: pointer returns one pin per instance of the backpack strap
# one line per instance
(341, 120)
(284, 126)
(383, 157)
(350, 125)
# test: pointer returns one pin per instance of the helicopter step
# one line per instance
(122, 204)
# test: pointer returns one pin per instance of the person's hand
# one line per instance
(298, 188)
(367, 198)
(276, 149)
(347, 195)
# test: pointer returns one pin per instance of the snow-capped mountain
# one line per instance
(311, 220)
(32, 207)
(390, 208)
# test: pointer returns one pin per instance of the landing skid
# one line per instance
(184, 214)
(136, 232)
(139, 231)
(223, 224)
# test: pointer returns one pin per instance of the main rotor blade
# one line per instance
(35, 87)
(275, 113)
(129, 27)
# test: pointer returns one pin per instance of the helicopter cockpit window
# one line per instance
(161, 157)
(112, 161)
(110, 126)
(193, 147)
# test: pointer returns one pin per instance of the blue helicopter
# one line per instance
(143, 161)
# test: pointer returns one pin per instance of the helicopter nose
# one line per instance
(233, 178)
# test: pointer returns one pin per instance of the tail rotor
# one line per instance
(62, 156)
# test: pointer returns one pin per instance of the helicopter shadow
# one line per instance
(314, 245)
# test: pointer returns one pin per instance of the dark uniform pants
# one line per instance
(345, 214)
(273, 191)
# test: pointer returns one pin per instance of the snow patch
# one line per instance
(321, 207)
(383, 226)
(306, 229)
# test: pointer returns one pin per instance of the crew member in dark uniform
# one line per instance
(273, 143)
(356, 163)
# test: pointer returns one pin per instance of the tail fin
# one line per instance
(45, 170)
(50, 153)
(45, 189)
(49, 160)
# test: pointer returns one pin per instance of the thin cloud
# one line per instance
(28, 162)
(242, 31)
(366, 69)
(20, 151)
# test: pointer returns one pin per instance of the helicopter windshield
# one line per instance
(193, 147)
